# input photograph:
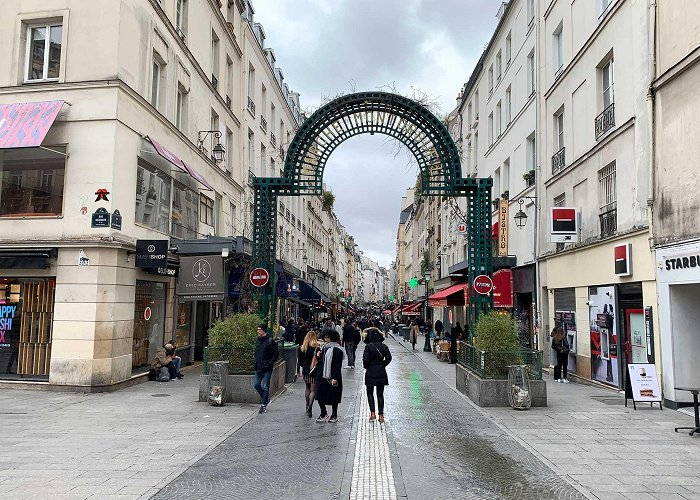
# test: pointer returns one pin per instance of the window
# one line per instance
(607, 189)
(499, 119)
(558, 50)
(499, 66)
(476, 150)
(491, 79)
(215, 60)
(31, 181)
(263, 160)
(272, 165)
(560, 201)
(508, 106)
(229, 148)
(490, 129)
(607, 84)
(181, 109)
(185, 212)
(251, 151)
(251, 87)
(509, 47)
(531, 72)
(152, 197)
(206, 210)
(156, 77)
(531, 151)
(505, 178)
(602, 7)
(181, 18)
(233, 213)
(559, 130)
(43, 58)
(229, 81)
(469, 115)
(530, 12)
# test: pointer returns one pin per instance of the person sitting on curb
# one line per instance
(164, 358)
(266, 354)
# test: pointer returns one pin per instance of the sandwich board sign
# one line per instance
(642, 384)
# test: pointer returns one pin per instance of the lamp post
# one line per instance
(427, 275)
(218, 152)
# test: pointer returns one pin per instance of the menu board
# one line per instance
(644, 382)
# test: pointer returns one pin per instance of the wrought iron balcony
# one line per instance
(558, 161)
(228, 102)
(251, 106)
(273, 140)
(214, 81)
(263, 123)
(605, 121)
(608, 223)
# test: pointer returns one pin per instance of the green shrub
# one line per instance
(496, 334)
(237, 330)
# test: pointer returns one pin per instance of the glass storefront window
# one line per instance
(149, 322)
(183, 325)
(185, 212)
(152, 198)
(26, 320)
(31, 181)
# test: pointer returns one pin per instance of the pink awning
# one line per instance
(25, 124)
(175, 160)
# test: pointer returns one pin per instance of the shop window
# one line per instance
(43, 58)
(152, 197)
(184, 323)
(185, 212)
(206, 210)
(26, 320)
(149, 322)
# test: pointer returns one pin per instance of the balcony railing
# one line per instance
(228, 102)
(558, 161)
(214, 81)
(251, 106)
(608, 223)
(273, 140)
(605, 121)
(263, 123)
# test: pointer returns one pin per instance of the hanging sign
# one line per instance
(116, 220)
(503, 228)
(623, 259)
(563, 225)
(152, 254)
(201, 278)
(100, 218)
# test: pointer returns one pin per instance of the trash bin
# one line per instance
(519, 387)
(290, 357)
(218, 379)
(406, 333)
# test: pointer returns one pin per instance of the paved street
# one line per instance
(435, 444)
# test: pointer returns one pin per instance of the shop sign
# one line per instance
(152, 254)
(503, 288)
(163, 271)
(623, 259)
(461, 228)
(503, 228)
(644, 382)
(201, 278)
(117, 220)
(563, 225)
(7, 314)
(100, 218)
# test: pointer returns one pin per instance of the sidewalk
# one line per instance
(125, 444)
(588, 435)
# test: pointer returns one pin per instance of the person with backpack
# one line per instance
(165, 358)
(266, 354)
(561, 347)
(375, 359)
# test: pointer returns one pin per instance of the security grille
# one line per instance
(607, 181)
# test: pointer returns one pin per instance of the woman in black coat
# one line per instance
(375, 360)
(329, 370)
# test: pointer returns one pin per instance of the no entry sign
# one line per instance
(483, 284)
(259, 277)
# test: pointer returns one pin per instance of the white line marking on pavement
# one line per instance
(372, 475)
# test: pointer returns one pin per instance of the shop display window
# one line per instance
(31, 181)
(149, 322)
(26, 320)
(183, 324)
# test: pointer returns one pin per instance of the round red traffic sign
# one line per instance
(259, 277)
(147, 313)
(483, 284)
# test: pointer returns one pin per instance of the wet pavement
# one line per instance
(434, 445)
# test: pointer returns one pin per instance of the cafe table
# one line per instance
(694, 391)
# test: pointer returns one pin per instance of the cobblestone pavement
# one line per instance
(440, 447)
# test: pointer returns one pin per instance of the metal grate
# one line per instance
(558, 160)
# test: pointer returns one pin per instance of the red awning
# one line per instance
(395, 310)
(173, 159)
(25, 124)
(450, 296)
(411, 309)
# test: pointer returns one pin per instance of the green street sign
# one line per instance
(392, 298)
(413, 282)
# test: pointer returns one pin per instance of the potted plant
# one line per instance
(529, 175)
(505, 194)
(233, 339)
(496, 335)
(327, 200)
(495, 203)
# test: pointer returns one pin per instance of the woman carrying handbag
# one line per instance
(375, 360)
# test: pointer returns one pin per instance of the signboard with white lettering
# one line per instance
(644, 382)
(151, 254)
(201, 278)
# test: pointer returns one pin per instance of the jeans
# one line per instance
(561, 366)
(261, 383)
(380, 398)
(350, 350)
(177, 360)
(324, 410)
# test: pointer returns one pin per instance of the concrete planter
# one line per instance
(487, 392)
(240, 387)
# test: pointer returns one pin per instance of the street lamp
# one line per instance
(218, 151)
(426, 276)
(521, 217)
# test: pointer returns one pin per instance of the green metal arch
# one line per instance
(373, 112)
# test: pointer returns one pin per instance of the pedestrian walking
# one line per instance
(413, 332)
(456, 335)
(375, 359)
(330, 389)
(349, 341)
(266, 354)
(561, 347)
(309, 351)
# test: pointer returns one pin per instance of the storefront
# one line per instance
(565, 318)
(26, 321)
(149, 322)
(678, 281)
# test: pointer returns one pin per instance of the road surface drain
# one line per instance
(160, 395)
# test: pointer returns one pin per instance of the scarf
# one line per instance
(328, 358)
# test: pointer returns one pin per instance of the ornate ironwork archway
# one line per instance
(368, 113)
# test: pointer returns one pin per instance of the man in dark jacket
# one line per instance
(349, 341)
(266, 354)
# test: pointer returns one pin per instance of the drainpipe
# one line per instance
(651, 111)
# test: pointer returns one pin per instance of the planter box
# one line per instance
(240, 387)
(488, 392)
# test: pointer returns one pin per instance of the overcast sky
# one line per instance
(326, 48)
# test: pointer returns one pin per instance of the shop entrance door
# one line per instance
(631, 319)
(202, 323)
